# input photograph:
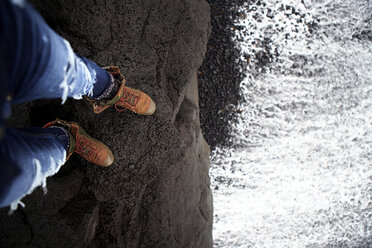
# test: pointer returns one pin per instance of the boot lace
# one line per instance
(129, 99)
(86, 148)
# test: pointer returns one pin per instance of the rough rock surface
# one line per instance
(220, 75)
(156, 194)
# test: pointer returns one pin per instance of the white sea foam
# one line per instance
(300, 174)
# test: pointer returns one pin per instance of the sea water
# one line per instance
(300, 172)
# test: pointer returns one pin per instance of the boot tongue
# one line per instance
(72, 145)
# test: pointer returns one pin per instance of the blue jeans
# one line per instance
(36, 63)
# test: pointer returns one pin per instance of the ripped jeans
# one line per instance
(36, 63)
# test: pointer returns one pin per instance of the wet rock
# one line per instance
(222, 64)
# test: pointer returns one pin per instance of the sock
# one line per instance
(110, 91)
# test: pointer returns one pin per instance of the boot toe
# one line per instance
(151, 108)
(109, 160)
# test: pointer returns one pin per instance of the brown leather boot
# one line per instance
(89, 148)
(125, 98)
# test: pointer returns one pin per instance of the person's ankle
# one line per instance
(71, 140)
(110, 91)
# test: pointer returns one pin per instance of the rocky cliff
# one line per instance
(156, 194)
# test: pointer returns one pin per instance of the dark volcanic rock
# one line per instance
(220, 75)
(156, 194)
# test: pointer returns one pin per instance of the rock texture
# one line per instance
(157, 193)
(220, 75)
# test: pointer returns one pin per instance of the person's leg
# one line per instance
(39, 64)
(29, 156)
(36, 63)
(33, 154)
